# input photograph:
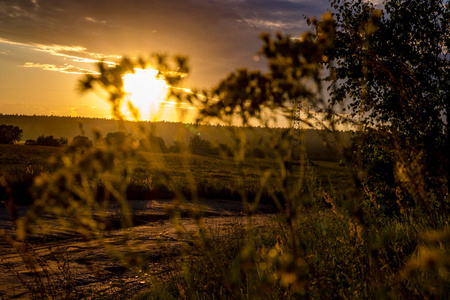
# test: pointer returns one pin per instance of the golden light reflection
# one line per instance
(146, 91)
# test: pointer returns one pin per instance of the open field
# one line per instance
(216, 177)
(200, 244)
(64, 258)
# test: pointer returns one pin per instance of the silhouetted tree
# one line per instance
(392, 65)
(10, 134)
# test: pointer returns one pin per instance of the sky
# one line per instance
(47, 45)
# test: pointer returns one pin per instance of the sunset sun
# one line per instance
(146, 91)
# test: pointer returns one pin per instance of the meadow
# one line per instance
(215, 177)
(336, 255)
(216, 183)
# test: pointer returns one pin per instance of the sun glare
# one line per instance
(146, 92)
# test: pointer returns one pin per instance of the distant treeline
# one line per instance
(172, 133)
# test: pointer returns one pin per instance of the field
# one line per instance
(64, 259)
(199, 226)
(215, 176)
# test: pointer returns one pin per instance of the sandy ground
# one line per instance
(65, 262)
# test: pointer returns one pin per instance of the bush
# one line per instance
(51, 141)
(199, 146)
(115, 138)
(80, 142)
(30, 142)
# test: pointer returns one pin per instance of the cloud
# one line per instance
(35, 3)
(93, 20)
(13, 10)
(270, 24)
(76, 53)
(68, 69)
(4, 41)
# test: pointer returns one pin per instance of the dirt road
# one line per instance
(68, 265)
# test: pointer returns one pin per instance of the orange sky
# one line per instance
(47, 46)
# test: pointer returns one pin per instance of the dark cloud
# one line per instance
(217, 35)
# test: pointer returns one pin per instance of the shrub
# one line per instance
(80, 142)
(199, 146)
(51, 141)
(115, 138)
(30, 142)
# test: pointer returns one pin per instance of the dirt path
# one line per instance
(86, 268)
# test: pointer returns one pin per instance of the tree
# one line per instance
(392, 67)
(392, 64)
(10, 134)
(294, 76)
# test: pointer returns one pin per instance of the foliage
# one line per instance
(294, 77)
(380, 186)
(51, 141)
(391, 65)
(10, 134)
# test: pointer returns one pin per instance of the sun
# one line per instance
(146, 91)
